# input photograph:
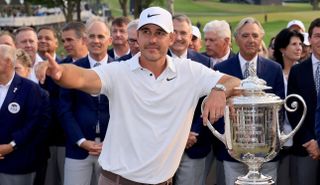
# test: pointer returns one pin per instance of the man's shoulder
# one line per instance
(198, 57)
(269, 62)
(25, 86)
(225, 63)
(82, 62)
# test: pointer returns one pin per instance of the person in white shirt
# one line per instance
(152, 101)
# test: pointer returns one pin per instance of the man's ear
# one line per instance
(172, 37)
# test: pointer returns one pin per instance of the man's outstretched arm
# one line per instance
(69, 76)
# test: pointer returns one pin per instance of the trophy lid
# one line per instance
(252, 89)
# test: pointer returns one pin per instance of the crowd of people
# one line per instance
(124, 106)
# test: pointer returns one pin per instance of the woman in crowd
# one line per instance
(287, 52)
(23, 63)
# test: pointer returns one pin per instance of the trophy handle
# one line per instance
(220, 136)
(293, 107)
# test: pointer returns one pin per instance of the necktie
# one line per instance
(97, 64)
(317, 77)
(246, 73)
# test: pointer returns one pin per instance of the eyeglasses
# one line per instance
(132, 41)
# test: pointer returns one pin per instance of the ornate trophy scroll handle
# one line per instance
(220, 136)
(293, 107)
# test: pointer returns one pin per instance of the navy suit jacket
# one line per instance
(125, 57)
(301, 82)
(56, 135)
(203, 145)
(27, 127)
(267, 70)
(111, 54)
(80, 113)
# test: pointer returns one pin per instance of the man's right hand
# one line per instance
(49, 67)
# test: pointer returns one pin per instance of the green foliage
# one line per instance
(207, 10)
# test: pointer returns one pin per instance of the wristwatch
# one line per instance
(13, 144)
(219, 87)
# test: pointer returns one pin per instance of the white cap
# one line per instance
(297, 23)
(196, 32)
(157, 16)
(306, 38)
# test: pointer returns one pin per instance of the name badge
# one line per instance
(14, 107)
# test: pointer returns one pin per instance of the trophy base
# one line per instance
(262, 180)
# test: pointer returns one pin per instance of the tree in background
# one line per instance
(139, 5)
(124, 7)
(315, 4)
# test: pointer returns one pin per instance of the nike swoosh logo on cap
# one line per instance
(151, 15)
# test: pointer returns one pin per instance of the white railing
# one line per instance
(31, 20)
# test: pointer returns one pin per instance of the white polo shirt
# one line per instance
(150, 118)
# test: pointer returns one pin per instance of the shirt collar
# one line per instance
(116, 56)
(135, 65)
(93, 61)
(183, 56)
(243, 61)
(314, 60)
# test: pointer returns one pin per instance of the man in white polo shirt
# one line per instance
(152, 98)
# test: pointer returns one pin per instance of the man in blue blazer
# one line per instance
(249, 34)
(302, 81)
(24, 116)
(85, 117)
(192, 165)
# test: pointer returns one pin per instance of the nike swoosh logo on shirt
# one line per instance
(169, 79)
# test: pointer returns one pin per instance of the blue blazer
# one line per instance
(80, 113)
(111, 54)
(56, 135)
(301, 82)
(267, 70)
(203, 145)
(125, 57)
(28, 127)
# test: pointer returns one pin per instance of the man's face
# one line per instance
(72, 43)
(249, 40)
(314, 40)
(119, 34)
(6, 39)
(154, 42)
(183, 37)
(195, 44)
(98, 39)
(132, 40)
(216, 46)
(47, 41)
(28, 41)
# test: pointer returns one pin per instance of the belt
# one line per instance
(123, 181)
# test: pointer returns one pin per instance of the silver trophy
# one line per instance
(252, 130)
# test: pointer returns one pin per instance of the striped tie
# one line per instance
(246, 73)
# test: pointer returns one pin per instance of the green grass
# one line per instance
(208, 10)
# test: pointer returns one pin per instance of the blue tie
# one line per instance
(317, 77)
(97, 64)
